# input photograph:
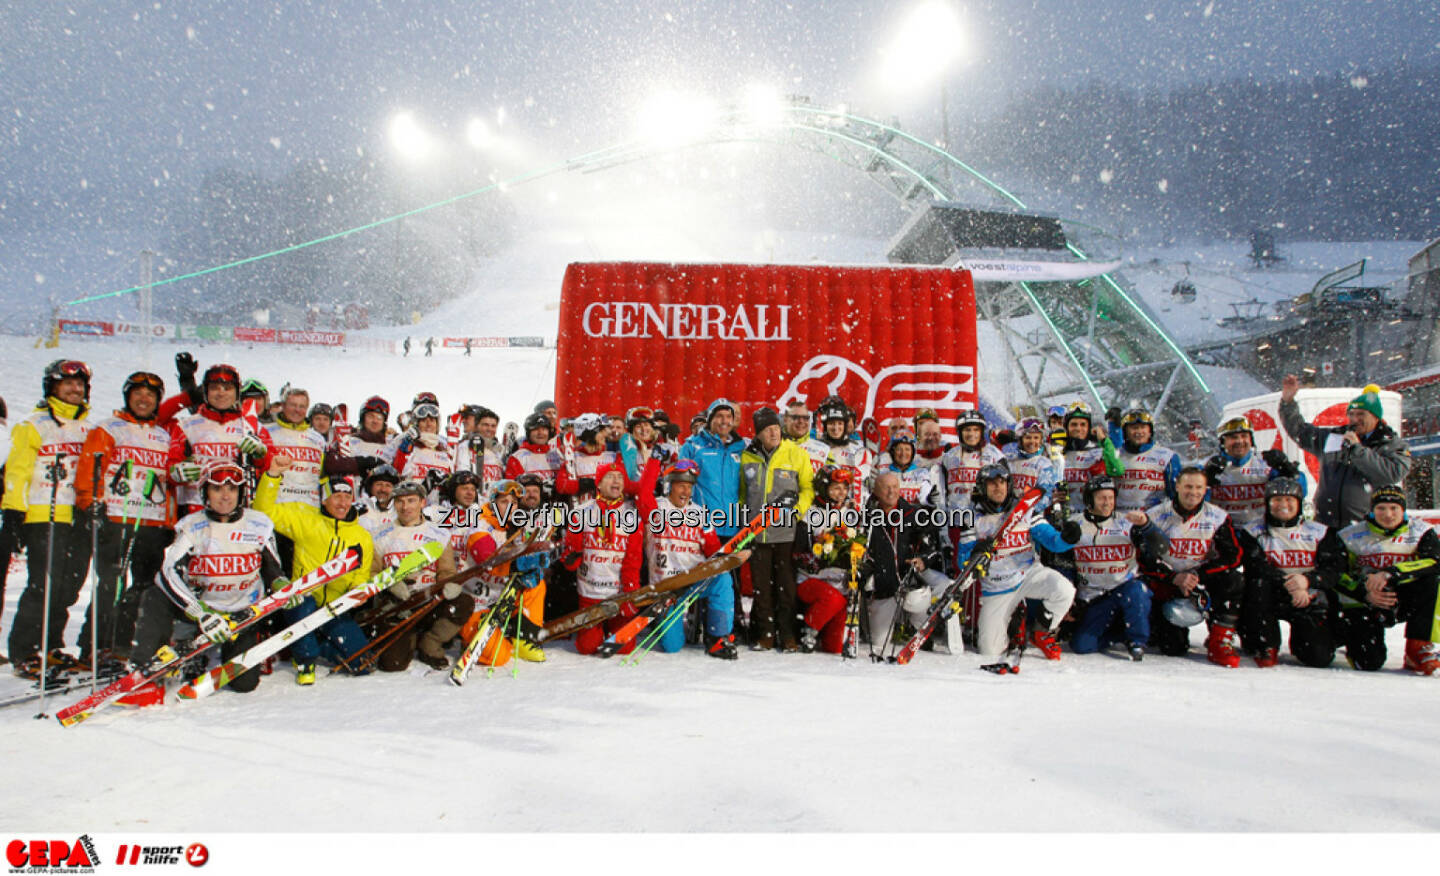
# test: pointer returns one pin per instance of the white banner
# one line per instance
(1005, 270)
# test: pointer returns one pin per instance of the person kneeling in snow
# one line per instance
(827, 552)
(1110, 583)
(223, 560)
(1282, 550)
(1014, 574)
(1392, 562)
(320, 534)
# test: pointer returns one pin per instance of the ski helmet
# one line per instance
(1187, 611)
(323, 410)
(1095, 485)
(447, 488)
(253, 388)
(832, 408)
(637, 415)
(901, 436)
(409, 487)
(143, 380)
(590, 425)
(539, 421)
(683, 471)
(1030, 424)
(971, 417)
(1055, 411)
(378, 405)
(221, 373)
(532, 479)
(980, 497)
(383, 472)
(1138, 416)
(1078, 411)
(1233, 426)
(424, 398)
(223, 471)
(1283, 486)
(59, 370)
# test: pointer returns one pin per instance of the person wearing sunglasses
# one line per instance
(1149, 469)
(40, 483)
(129, 499)
(797, 423)
(674, 545)
(1238, 475)
(215, 432)
(421, 454)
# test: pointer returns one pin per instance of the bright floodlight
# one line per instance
(408, 138)
(928, 41)
(672, 119)
(762, 106)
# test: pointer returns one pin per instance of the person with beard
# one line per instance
(376, 507)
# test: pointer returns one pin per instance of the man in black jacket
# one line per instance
(896, 546)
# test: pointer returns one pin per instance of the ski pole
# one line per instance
(515, 658)
(676, 612)
(53, 473)
(96, 459)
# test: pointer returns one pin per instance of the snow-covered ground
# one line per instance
(682, 742)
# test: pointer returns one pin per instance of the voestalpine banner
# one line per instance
(888, 340)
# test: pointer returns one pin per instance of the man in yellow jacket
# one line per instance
(45, 449)
(771, 467)
(319, 534)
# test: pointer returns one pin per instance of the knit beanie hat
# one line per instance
(1368, 400)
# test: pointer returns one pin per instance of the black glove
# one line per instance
(660, 452)
(1280, 463)
(185, 367)
(1070, 531)
(587, 485)
(433, 479)
(1112, 416)
(1004, 436)
(1213, 469)
(366, 463)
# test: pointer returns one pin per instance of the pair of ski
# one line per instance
(58, 683)
(656, 596)
(168, 660)
(505, 604)
(947, 603)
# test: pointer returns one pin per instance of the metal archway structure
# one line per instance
(1091, 338)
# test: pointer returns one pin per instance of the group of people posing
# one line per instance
(191, 507)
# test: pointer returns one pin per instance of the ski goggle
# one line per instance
(639, 412)
(1233, 425)
(426, 398)
(1030, 424)
(684, 465)
(1136, 416)
(844, 476)
(222, 374)
(145, 380)
(72, 368)
(377, 404)
(225, 473)
(427, 410)
(507, 488)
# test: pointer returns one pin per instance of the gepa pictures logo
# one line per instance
(52, 856)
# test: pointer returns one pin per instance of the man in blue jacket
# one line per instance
(717, 448)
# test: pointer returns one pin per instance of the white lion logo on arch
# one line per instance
(893, 391)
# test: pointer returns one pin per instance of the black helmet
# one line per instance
(322, 409)
(1283, 486)
(447, 489)
(832, 408)
(978, 495)
(410, 487)
(539, 421)
(1095, 485)
(383, 472)
(971, 417)
(59, 370)
(1078, 411)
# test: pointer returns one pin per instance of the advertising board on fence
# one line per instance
(888, 340)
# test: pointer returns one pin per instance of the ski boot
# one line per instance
(721, 647)
(1045, 641)
(809, 637)
(1266, 658)
(1220, 647)
(434, 660)
(1422, 657)
(529, 651)
(304, 673)
(1136, 651)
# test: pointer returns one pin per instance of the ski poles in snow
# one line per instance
(54, 472)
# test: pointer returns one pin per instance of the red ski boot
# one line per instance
(1267, 657)
(1043, 640)
(1221, 647)
(1422, 657)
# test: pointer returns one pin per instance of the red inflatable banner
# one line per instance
(888, 340)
